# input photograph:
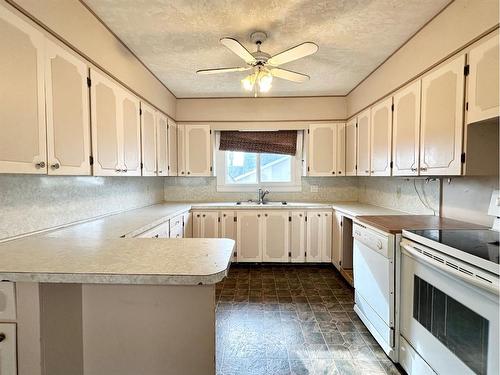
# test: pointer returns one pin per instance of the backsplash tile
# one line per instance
(32, 203)
(204, 189)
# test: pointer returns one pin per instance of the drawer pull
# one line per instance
(2, 337)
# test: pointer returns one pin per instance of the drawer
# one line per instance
(176, 232)
(8, 360)
(7, 302)
(160, 231)
(175, 222)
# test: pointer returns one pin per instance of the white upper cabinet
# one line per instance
(22, 102)
(340, 150)
(380, 138)
(172, 148)
(363, 144)
(68, 117)
(249, 234)
(482, 82)
(161, 144)
(406, 130)
(148, 139)
(275, 236)
(130, 133)
(350, 147)
(442, 119)
(197, 150)
(116, 133)
(181, 150)
(322, 150)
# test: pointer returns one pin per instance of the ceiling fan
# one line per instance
(264, 66)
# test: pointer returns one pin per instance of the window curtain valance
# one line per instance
(272, 142)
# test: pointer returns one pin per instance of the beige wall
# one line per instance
(76, 25)
(457, 25)
(262, 109)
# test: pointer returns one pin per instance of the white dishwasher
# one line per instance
(374, 283)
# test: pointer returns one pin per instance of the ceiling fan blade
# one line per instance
(238, 49)
(294, 53)
(289, 75)
(222, 70)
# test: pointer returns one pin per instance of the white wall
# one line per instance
(32, 203)
(456, 26)
(71, 21)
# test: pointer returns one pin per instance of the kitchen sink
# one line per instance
(265, 203)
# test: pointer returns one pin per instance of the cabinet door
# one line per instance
(341, 130)
(326, 249)
(314, 234)
(197, 147)
(322, 149)
(130, 134)
(363, 146)
(442, 119)
(148, 139)
(161, 145)
(298, 237)
(275, 236)
(22, 101)
(104, 101)
(197, 225)
(210, 224)
(176, 232)
(68, 117)
(482, 88)
(172, 148)
(249, 234)
(181, 150)
(406, 129)
(228, 227)
(350, 147)
(8, 365)
(337, 239)
(187, 224)
(381, 138)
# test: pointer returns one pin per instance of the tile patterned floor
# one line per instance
(292, 320)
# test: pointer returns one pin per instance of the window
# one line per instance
(247, 171)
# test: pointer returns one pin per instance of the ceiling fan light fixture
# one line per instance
(248, 82)
(265, 81)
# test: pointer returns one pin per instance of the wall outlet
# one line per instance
(314, 188)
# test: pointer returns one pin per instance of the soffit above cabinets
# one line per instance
(175, 38)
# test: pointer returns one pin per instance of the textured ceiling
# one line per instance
(174, 38)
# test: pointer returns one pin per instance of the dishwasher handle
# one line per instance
(443, 265)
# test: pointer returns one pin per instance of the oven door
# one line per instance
(452, 323)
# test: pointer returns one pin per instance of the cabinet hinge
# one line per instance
(218, 219)
(210, 131)
(235, 253)
(289, 218)
(356, 125)
(308, 169)
(308, 131)
(168, 168)
(392, 107)
(235, 219)
(391, 165)
(356, 167)
(91, 160)
(305, 254)
(466, 70)
(340, 222)
(305, 218)
(466, 106)
(89, 82)
(289, 253)
(140, 111)
(340, 262)
(142, 166)
(211, 169)
(462, 157)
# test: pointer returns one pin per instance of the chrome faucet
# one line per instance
(262, 194)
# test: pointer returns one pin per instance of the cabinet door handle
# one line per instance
(157, 235)
(319, 215)
(340, 172)
(182, 172)
(224, 215)
(197, 215)
(300, 215)
(414, 169)
(258, 215)
(423, 169)
(367, 171)
(55, 166)
(118, 170)
(373, 171)
(160, 171)
(40, 165)
(265, 215)
(2, 337)
(333, 172)
(189, 172)
(125, 170)
(204, 215)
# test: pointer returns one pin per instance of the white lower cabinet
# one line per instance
(187, 224)
(337, 239)
(298, 237)
(228, 228)
(205, 224)
(319, 236)
(249, 236)
(8, 351)
(275, 236)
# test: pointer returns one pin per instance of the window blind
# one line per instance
(272, 142)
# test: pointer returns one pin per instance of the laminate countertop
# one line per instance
(94, 252)
(395, 224)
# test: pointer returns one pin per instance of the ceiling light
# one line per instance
(248, 82)
(265, 81)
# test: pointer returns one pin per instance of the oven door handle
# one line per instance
(411, 251)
